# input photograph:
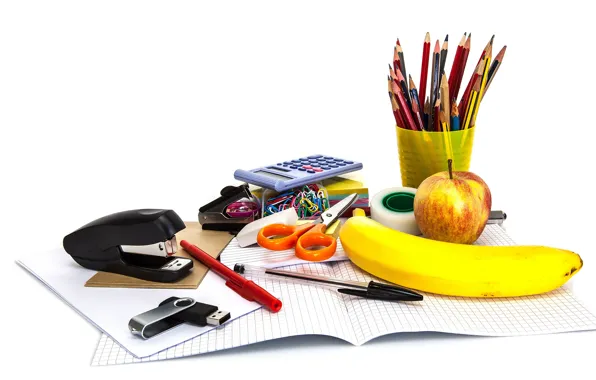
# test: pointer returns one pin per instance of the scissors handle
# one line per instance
(284, 236)
(314, 245)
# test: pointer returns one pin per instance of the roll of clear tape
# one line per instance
(394, 208)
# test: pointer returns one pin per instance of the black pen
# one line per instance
(371, 290)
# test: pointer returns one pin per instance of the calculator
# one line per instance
(294, 173)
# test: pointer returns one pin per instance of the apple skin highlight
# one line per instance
(452, 210)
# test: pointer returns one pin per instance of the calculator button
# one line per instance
(312, 159)
(349, 162)
(301, 169)
(303, 158)
(279, 163)
(307, 167)
(287, 163)
(338, 159)
(315, 156)
(332, 165)
(293, 167)
(296, 161)
(325, 167)
(310, 171)
(328, 158)
(317, 169)
(285, 166)
(340, 164)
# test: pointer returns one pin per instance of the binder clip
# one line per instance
(234, 209)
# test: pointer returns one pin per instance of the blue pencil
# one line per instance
(454, 117)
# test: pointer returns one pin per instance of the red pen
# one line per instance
(246, 288)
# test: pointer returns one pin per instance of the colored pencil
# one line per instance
(396, 113)
(402, 83)
(443, 59)
(395, 59)
(445, 100)
(456, 64)
(424, 68)
(427, 114)
(436, 111)
(403, 106)
(462, 67)
(494, 68)
(472, 104)
(416, 107)
(482, 84)
(434, 79)
(454, 116)
(466, 95)
(414, 93)
(463, 105)
(402, 61)
(443, 120)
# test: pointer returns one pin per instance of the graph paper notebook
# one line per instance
(312, 310)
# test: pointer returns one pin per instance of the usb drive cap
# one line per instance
(218, 318)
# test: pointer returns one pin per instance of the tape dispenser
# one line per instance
(234, 209)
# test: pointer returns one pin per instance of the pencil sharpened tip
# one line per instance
(447, 37)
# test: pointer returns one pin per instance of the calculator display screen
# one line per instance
(272, 175)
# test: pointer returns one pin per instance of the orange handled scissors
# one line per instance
(309, 240)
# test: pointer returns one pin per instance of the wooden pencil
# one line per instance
(402, 61)
(403, 106)
(463, 105)
(444, 120)
(436, 111)
(472, 104)
(414, 93)
(417, 115)
(443, 59)
(466, 94)
(445, 100)
(402, 83)
(395, 107)
(395, 59)
(427, 118)
(434, 80)
(424, 68)
(462, 66)
(482, 84)
(454, 116)
(456, 64)
(494, 68)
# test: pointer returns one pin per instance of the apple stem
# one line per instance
(449, 162)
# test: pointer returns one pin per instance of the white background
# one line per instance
(114, 105)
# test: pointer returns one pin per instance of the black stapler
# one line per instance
(135, 243)
(234, 209)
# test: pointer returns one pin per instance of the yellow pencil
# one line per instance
(485, 69)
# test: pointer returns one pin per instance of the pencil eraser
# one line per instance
(248, 235)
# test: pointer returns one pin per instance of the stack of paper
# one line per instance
(314, 310)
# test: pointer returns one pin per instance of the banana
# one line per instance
(455, 269)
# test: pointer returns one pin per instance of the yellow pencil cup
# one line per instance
(422, 154)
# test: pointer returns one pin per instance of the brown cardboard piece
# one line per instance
(212, 242)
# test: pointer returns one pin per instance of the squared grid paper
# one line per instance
(317, 310)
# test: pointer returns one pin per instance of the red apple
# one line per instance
(452, 206)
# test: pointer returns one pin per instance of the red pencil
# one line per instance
(456, 64)
(403, 106)
(462, 68)
(424, 69)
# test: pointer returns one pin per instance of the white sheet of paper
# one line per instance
(110, 309)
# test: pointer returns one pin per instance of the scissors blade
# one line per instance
(338, 209)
